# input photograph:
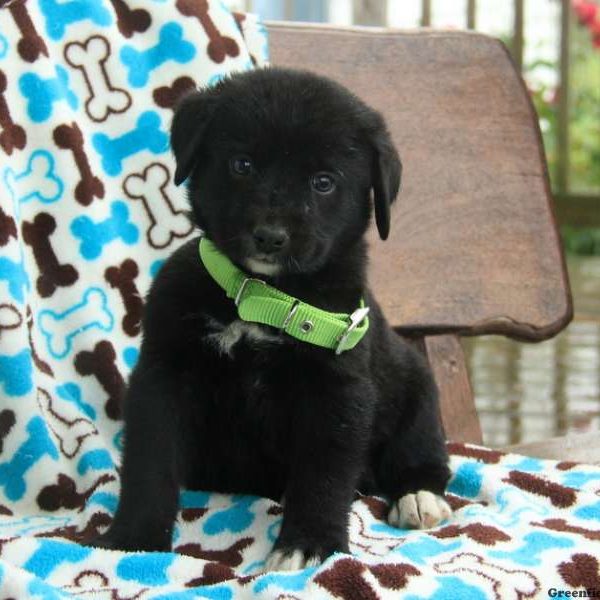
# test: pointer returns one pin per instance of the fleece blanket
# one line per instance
(88, 212)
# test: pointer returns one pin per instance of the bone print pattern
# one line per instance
(88, 212)
(74, 258)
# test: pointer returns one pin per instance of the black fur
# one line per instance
(276, 418)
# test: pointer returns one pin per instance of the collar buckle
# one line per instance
(238, 296)
(290, 314)
(356, 318)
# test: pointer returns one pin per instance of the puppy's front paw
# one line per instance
(291, 560)
(421, 510)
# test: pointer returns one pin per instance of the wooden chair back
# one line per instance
(474, 247)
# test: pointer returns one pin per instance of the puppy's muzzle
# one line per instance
(270, 239)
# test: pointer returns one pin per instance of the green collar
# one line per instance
(258, 302)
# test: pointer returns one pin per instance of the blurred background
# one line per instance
(524, 392)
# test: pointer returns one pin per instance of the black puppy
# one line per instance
(282, 165)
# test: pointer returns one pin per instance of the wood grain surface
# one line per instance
(457, 407)
(473, 246)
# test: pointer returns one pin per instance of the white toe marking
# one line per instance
(422, 510)
(294, 561)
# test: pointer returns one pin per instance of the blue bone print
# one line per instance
(38, 181)
(15, 373)
(42, 93)
(60, 14)
(213, 592)
(37, 445)
(16, 275)
(467, 480)
(59, 329)
(71, 392)
(148, 568)
(3, 46)
(95, 460)
(578, 479)
(171, 46)
(420, 550)
(591, 511)
(293, 582)
(236, 518)
(146, 136)
(533, 545)
(51, 553)
(106, 500)
(94, 236)
(130, 356)
(37, 588)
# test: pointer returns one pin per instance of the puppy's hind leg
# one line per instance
(412, 469)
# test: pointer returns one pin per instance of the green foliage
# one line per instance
(584, 130)
(582, 241)
(585, 114)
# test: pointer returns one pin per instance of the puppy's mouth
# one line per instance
(263, 264)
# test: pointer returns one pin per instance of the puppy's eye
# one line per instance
(241, 165)
(322, 183)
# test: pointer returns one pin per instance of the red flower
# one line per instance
(588, 14)
(586, 11)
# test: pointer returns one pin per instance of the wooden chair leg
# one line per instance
(457, 404)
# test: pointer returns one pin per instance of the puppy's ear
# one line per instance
(387, 172)
(192, 116)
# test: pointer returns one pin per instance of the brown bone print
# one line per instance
(42, 365)
(100, 363)
(456, 502)
(566, 465)
(193, 514)
(562, 525)
(123, 279)
(13, 135)
(52, 274)
(482, 534)
(378, 508)
(8, 228)
(150, 187)
(64, 494)
(70, 433)
(69, 137)
(211, 574)
(219, 45)
(98, 581)
(168, 96)
(31, 45)
(90, 57)
(345, 578)
(10, 317)
(96, 521)
(7, 422)
(130, 21)
(559, 495)
(231, 556)
(394, 577)
(489, 457)
(505, 583)
(582, 571)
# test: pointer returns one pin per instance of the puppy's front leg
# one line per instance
(327, 461)
(149, 482)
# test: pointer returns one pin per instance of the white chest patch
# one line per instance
(226, 337)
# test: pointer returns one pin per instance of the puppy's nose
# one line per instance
(270, 239)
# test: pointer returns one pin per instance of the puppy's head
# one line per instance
(283, 168)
